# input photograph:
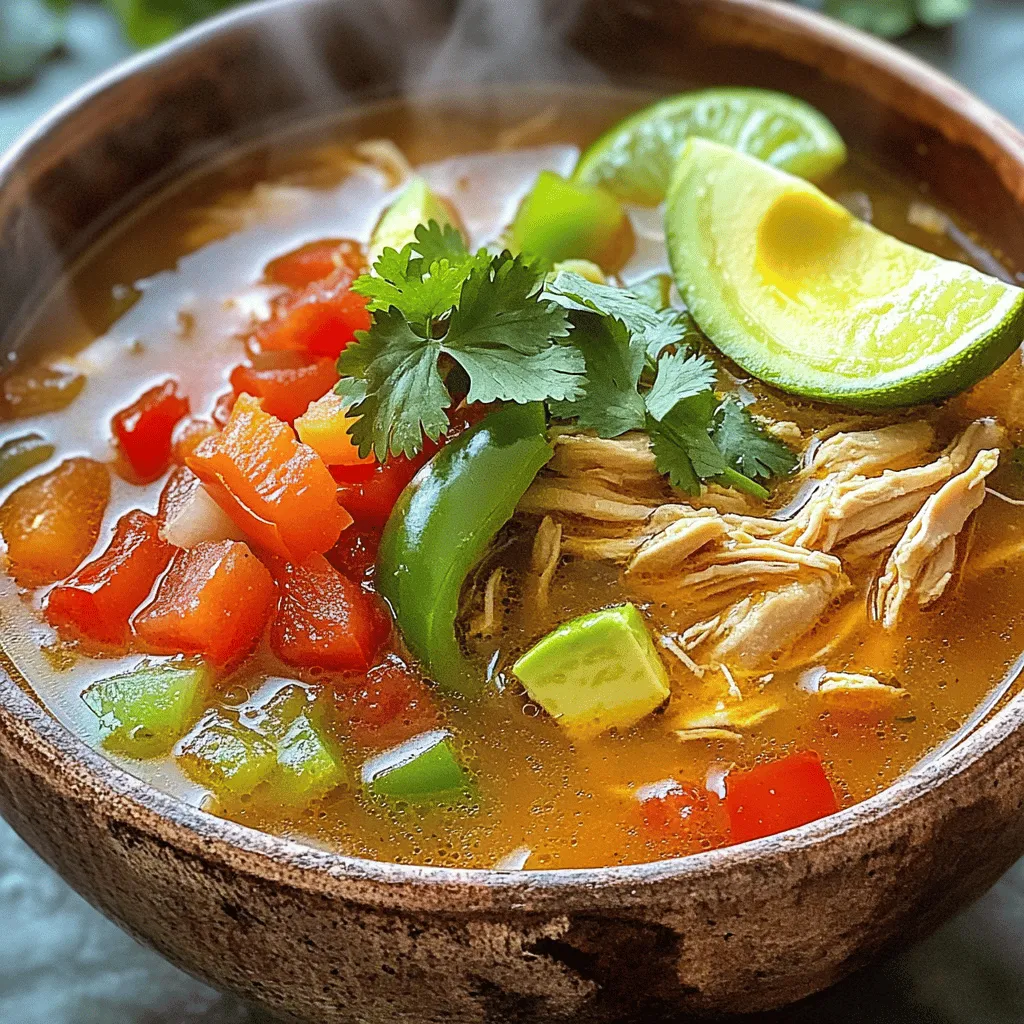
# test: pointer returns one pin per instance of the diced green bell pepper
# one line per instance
(597, 672)
(273, 718)
(146, 711)
(442, 524)
(564, 220)
(420, 768)
(20, 454)
(226, 756)
(306, 767)
(416, 204)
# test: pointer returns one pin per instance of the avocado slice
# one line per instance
(598, 672)
(801, 294)
(416, 204)
(564, 220)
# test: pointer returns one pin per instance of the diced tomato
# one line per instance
(287, 391)
(685, 819)
(356, 552)
(321, 319)
(372, 499)
(276, 490)
(51, 523)
(187, 435)
(143, 430)
(387, 706)
(215, 600)
(324, 619)
(315, 261)
(222, 408)
(324, 427)
(98, 600)
(777, 796)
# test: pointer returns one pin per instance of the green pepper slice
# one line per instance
(420, 768)
(442, 524)
(20, 454)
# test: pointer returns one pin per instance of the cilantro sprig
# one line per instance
(433, 305)
(598, 355)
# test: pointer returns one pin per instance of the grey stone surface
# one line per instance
(62, 963)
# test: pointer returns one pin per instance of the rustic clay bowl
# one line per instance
(327, 938)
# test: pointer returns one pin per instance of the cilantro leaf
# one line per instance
(746, 446)
(659, 330)
(501, 333)
(403, 395)
(614, 359)
(682, 447)
(435, 242)
(680, 375)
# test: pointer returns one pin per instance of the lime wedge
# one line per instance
(809, 298)
(635, 159)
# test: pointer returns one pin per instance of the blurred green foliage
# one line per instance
(32, 30)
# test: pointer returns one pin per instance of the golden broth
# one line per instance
(172, 293)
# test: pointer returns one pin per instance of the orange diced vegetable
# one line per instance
(277, 490)
(324, 619)
(286, 391)
(315, 261)
(322, 319)
(187, 435)
(51, 523)
(324, 427)
(98, 600)
(778, 796)
(143, 430)
(215, 600)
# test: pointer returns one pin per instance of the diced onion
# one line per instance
(198, 519)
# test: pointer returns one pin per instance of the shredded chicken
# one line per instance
(547, 550)
(866, 452)
(922, 561)
(710, 735)
(852, 691)
(736, 717)
(486, 622)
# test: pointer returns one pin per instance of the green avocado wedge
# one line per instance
(634, 160)
(801, 294)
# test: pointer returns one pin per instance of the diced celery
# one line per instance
(418, 769)
(226, 756)
(600, 671)
(20, 454)
(306, 767)
(563, 220)
(274, 718)
(147, 710)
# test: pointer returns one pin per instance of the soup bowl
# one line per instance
(325, 938)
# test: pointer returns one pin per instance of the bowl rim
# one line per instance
(84, 773)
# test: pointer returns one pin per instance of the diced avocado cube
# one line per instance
(598, 672)
(416, 204)
(306, 767)
(226, 756)
(420, 768)
(561, 220)
(147, 710)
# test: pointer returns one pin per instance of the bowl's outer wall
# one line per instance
(328, 940)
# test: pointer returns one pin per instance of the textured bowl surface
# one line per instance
(328, 939)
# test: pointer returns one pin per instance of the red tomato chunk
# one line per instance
(371, 495)
(322, 319)
(777, 796)
(315, 261)
(286, 391)
(143, 430)
(686, 819)
(215, 600)
(277, 491)
(97, 602)
(356, 552)
(324, 619)
(387, 706)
